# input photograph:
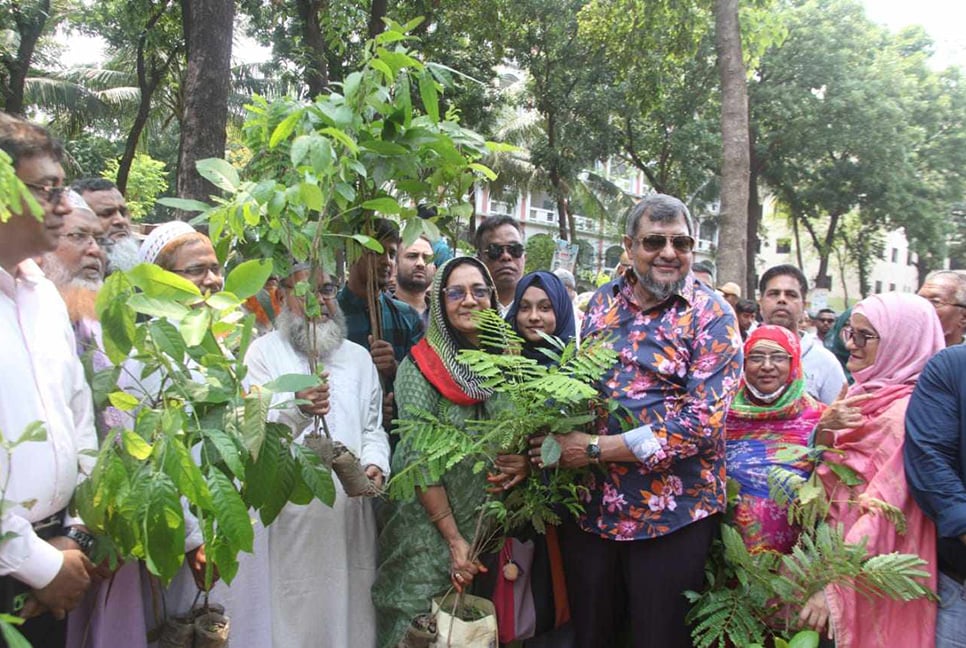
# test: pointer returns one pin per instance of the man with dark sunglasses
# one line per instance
(499, 245)
(654, 500)
(824, 322)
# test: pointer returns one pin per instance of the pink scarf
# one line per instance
(910, 334)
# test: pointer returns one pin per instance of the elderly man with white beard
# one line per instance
(321, 561)
(109, 206)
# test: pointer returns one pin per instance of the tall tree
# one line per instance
(29, 20)
(208, 28)
(735, 166)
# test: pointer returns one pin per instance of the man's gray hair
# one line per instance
(659, 208)
(957, 276)
(566, 277)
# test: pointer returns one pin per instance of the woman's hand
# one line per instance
(511, 470)
(843, 414)
(462, 568)
(815, 614)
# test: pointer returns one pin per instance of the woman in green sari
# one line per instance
(424, 548)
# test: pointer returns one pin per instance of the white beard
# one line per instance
(61, 277)
(123, 255)
(328, 335)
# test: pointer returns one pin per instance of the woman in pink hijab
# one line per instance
(889, 337)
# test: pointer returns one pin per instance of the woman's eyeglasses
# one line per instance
(657, 242)
(495, 251)
(458, 293)
(858, 338)
(775, 359)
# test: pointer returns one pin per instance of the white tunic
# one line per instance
(307, 584)
(41, 379)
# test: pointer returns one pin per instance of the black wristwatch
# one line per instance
(83, 539)
(593, 449)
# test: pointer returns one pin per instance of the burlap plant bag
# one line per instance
(344, 464)
(177, 632)
(211, 630)
(479, 630)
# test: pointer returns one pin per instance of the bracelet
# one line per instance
(439, 516)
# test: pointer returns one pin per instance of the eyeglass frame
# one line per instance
(849, 334)
(101, 241)
(494, 251)
(682, 243)
(936, 302)
(52, 194)
(197, 272)
(770, 358)
(479, 292)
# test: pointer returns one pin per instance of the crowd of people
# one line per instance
(707, 387)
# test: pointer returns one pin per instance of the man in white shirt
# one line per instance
(321, 561)
(42, 565)
(783, 289)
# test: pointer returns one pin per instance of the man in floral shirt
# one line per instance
(658, 480)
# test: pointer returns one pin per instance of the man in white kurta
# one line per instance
(321, 561)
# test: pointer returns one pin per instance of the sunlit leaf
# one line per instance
(248, 278)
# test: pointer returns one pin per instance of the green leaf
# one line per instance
(117, 319)
(194, 326)
(846, 475)
(291, 383)
(135, 446)
(231, 514)
(248, 278)
(550, 451)
(168, 340)
(184, 204)
(34, 432)
(284, 483)
(300, 148)
(369, 243)
(157, 282)
(430, 96)
(163, 528)
(285, 128)
(219, 173)
(123, 401)
(154, 307)
(227, 449)
(317, 477)
(10, 633)
(254, 419)
(260, 474)
(804, 639)
(222, 301)
(485, 170)
(186, 474)
(312, 196)
(384, 205)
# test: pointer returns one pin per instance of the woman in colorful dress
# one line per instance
(890, 338)
(770, 411)
(424, 547)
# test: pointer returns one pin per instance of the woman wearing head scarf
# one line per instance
(890, 338)
(425, 543)
(770, 411)
(541, 305)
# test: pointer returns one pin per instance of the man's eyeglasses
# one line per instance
(49, 193)
(938, 302)
(776, 359)
(858, 338)
(458, 293)
(495, 251)
(327, 290)
(83, 239)
(657, 242)
(199, 271)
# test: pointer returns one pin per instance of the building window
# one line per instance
(909, 260)
(878, 287)
(783, 246)
(895, 255)
(892, 287)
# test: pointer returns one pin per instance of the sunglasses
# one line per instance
(858, 338)
(458, 293)
(495, 251)
(657, 242)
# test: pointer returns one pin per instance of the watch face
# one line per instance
(593, 451)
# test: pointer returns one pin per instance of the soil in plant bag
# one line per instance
(421, 633)
(322, 447)
(211, 630)
(177, 632)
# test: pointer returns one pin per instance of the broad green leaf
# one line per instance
(231, 514)
(384, 205)
(284, 128)
(219, 173)
(385, 148)
(485, 170)
(186, 474)
(167, 339)
(221, 301)
(227, 449)
(248, 278)
(104, 382)
(368, 242)
(804, 639)
(117, 319)
(291, 383)
(34, 432)
(153, 307)
(430, 96)
(184, 204)
(550, 451)
(163, 528)
(135, 446)
(277, 497)
(316, 476)
(123, 401)
(194, 326)
(382, 67)
(260, 473)
(224, 555)
(846, 475)
(11, 635)
(312, 196)
(300, 148)
(157, 282)
(254, 419)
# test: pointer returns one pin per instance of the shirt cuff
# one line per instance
(41, 565)
(642, 442)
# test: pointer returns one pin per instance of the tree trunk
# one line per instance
(30, 19)
(376, 14)
(754, 219)
(823, 280)
(317, 64)
(736, 164)
(131, 145)
(208, 27)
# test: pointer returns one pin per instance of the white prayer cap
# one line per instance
(159, 237)
(77, 203)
